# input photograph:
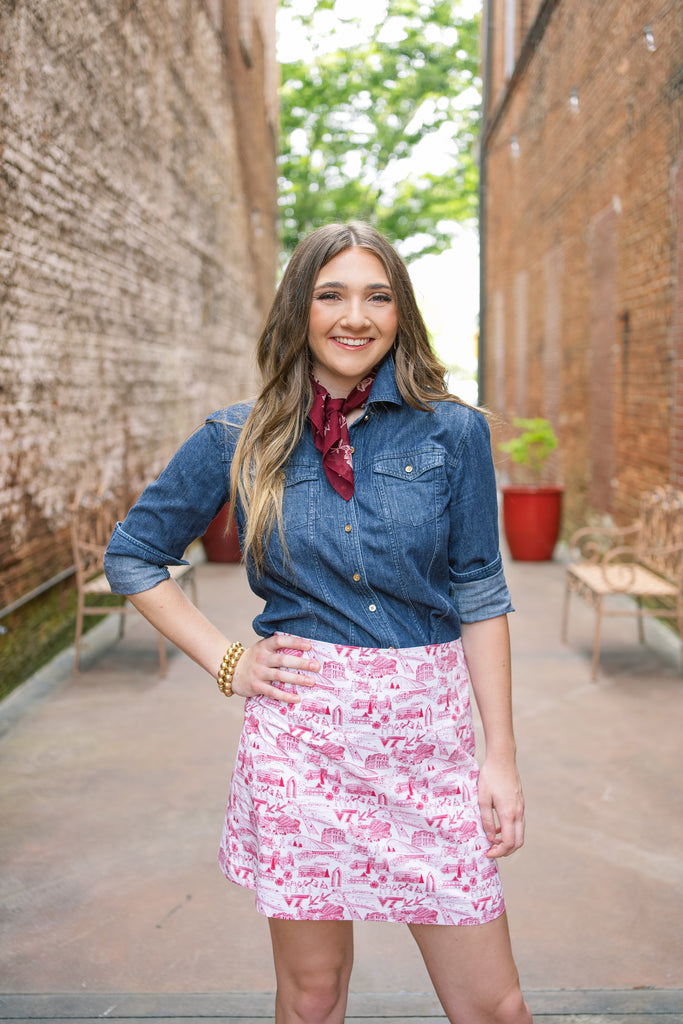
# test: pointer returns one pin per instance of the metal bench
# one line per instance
(643, 561)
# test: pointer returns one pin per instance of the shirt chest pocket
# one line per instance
(411, 488)
(301, 497)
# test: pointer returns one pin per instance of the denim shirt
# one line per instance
(412, 555)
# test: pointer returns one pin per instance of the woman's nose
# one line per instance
(354, 313)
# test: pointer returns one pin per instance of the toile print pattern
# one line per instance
(361, 801)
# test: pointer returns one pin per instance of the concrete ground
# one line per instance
(112, 794)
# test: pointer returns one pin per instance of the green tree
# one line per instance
(352, 117)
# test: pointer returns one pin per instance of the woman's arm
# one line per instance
(170, 611)
(487, 650)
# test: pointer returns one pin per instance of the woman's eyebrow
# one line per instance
(342, 284)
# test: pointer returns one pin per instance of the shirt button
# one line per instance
(366, 417)
(348, 527)
(352, 449)
(372, 607)
(356, 577)
(409, 469)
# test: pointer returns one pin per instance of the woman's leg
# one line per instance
(473, 972)
(313, 961)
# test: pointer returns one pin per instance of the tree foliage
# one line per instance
(351, 119)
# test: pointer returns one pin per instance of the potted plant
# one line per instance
(532, 508)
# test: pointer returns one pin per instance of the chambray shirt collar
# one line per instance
(385, 388)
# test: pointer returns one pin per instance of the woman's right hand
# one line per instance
(266, 663)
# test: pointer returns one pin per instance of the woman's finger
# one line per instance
(262, 665)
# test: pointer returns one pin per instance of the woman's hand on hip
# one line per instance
(267, 663)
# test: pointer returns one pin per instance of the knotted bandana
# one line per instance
(331, 432)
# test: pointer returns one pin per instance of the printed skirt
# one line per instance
(360, 802)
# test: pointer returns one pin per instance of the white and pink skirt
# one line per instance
(360, 803)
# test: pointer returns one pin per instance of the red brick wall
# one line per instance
(137, 244)
(588, 205)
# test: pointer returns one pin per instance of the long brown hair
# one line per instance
(277, 420)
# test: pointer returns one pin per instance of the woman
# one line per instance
(365, 501)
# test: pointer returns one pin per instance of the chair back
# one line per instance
(661, 519)
(93, 516)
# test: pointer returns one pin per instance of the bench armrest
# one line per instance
(619, 565)
(594, 542)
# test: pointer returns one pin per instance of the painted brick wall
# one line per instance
(138, 244)
(584, 150)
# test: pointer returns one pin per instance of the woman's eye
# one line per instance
(328, 295)
(381, 297)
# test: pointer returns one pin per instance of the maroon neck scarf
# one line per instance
(331, 432)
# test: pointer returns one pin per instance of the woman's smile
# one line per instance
(353, 342)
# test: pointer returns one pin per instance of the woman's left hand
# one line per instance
(501, 802)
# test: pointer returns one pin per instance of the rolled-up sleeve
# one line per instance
(176, 508)
(483, 598)
(129, 574)
(477, 581)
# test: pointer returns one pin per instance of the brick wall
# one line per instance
(584, 150)
(137, 244)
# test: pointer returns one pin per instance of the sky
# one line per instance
(447, 285)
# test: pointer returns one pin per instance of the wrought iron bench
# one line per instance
(643, 561)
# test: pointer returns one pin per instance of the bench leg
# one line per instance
(565, 614)
(596, 640)
(79, 634)
(641, 631)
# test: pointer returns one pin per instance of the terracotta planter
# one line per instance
(221, 544)
(531, 518)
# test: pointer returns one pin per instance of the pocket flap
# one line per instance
(410, 466)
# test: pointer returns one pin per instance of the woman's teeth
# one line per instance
(353, 342)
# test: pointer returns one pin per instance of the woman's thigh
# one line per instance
(473, 972)
(313, 961)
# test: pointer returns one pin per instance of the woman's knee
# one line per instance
(315, 998)
(313, 962)
(512, 1009)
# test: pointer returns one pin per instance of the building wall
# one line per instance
(583, 213)
(138, 245)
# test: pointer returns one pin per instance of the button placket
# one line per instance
(353, 553)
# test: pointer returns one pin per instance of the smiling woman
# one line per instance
(353, 320)
(356, 793)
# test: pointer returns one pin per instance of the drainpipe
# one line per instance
(486, 92)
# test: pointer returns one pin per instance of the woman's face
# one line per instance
(353, 320)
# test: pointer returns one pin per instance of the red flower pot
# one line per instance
(531, 518)
(221, 544)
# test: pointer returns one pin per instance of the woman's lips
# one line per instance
(351, 342)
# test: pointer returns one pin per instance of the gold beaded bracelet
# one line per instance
(228, 666)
